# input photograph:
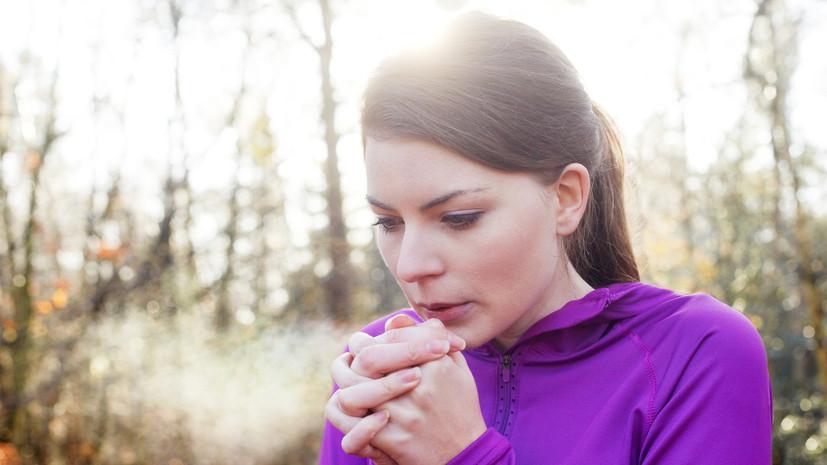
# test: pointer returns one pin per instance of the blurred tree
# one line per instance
(770, 62)
(19, 274)
(338, 282)
(741, 228)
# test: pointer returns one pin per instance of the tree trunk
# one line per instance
(782, 49)
(338, 282)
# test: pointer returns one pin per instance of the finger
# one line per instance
(359, 432)
(457, 343)
(399, 321)
(375, 361)
(355, 401)
(342, 374)
(459, 359)
(357, 440)
(336, 417)
(382, 458)
(430, 329)
(359, 341)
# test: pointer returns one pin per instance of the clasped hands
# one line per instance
(406, 396)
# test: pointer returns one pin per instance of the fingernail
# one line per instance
(439, 347)
(390, 322)
(410, 375)
(457, 342)
(384, 415)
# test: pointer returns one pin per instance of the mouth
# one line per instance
(439, 306)
(445, 311)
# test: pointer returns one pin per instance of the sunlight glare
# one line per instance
(416, 26)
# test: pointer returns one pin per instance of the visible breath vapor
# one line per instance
(247, 396)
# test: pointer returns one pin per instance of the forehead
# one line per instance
(410, 170)
(413, 160)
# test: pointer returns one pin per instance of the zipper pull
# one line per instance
(506, 368)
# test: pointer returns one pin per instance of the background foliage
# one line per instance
(183, 240)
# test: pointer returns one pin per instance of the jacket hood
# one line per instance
(580, 322)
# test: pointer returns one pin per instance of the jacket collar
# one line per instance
(580, 322)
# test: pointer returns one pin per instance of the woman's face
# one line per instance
(472, 246)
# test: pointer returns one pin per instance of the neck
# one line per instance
(570, 286)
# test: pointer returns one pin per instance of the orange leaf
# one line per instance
(60, 298)
(9, 455)
(44, 306)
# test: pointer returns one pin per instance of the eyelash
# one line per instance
(457, 222)
(461, 221)
(387, 225)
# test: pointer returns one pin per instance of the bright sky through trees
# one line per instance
(628, 52)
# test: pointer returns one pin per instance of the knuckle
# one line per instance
(345, 377)
(342, 361)
(352, 448)
(364, 363)
(345, 381)
(348, 446)
(388, 388)
(344, 404)
(359, 341)
(330, 409)
(393, 335)
(351, 379)
(412, 352)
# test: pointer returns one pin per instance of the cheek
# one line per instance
(388, 249)
(518, 256)
(504, 263)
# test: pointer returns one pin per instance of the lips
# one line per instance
(445, 311)
(439, 306)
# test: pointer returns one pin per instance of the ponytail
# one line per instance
(600, 249)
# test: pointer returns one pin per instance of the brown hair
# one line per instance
(500, 93)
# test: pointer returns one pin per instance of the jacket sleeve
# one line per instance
(489, 449)
(715, 402)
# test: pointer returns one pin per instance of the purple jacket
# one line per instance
(630, 374)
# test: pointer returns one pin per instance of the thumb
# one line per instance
(383, 460)
(459, 359)
(399, 321)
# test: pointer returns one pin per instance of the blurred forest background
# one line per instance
(184, 244)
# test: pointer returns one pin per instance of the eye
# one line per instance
(461, 220)
(388, 225)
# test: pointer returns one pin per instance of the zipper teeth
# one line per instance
(505, 401)
(506, 366)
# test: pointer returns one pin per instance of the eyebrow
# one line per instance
(430, 204)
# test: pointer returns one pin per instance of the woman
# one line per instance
(497, 185)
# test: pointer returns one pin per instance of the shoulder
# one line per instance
(698, 331)
(662, 311)
(710, 386)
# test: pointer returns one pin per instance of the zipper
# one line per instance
(504, 419)
(506, 368)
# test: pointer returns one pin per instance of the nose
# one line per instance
(419, 257)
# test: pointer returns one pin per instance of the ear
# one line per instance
(571, 191)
